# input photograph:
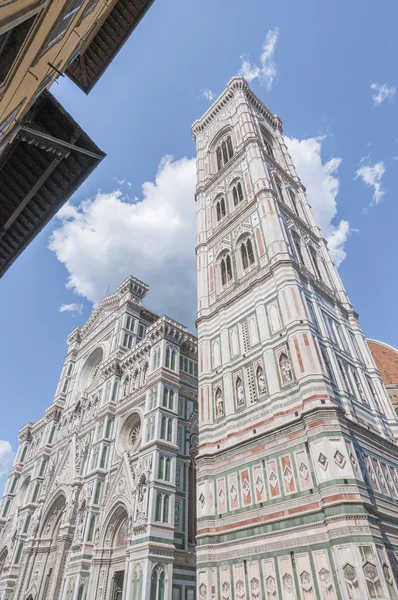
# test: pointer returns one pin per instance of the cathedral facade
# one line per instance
(100, 502)
(297, 470)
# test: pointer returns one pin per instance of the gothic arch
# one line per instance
(89, 372)
(222, 132)
(115, 516)
(52, 514)
(22, 495)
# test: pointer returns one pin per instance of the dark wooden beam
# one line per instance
(53, 165)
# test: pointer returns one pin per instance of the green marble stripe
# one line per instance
(286, 524)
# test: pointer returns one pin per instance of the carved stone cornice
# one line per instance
(170, 329)
(25, 432)
(234, 85)
(111, 367)
(133, 286)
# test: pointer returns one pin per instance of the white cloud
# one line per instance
(71, 308)
(208, 94)
(123, 182)
(322, 184)
(107, 238)
(6, 457)
(383, 92)
(266, 72)
(371, 175)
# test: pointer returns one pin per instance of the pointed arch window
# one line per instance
(220, 209)
(224, 152)
(164, 468)
(165, 396)
(219, 159)
(226, 270)
(247, 254)
(297, 247)
(162, 508)
(170, 358)
(344, 375)
(156, 358)
(267, 143)
(169, 429)
(278, 185)
(18, 555)
(158, 586)
(293, 200)
(237, 193)
(163, 428)
(314, 258)
(90, 536)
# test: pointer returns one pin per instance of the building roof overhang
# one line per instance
(96, 55)
(44, 160)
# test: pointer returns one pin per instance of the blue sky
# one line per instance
(320, 64)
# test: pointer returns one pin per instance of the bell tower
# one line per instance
(297, 472)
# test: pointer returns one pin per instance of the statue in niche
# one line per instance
(80, 521)
(261, 384)
(142, 489)
(34, 524)
(126, 386)
(286, 369)
(240, 395)
(219, 403)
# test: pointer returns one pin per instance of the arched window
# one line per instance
(237, 193)
(170, 358)
(27, 523)
(359, 388)
(247, 255)
(90, 536)
(163, 429)
(24, 451)
(297, 247)
(137, 584)
(157, 585)
(169, 429)
(36, 492)
(220, 209)
(173, 360)
(167, 464)
(166, 508)
(344, 376)
(153, 398)
(293, 200)
(314, 259)
(278, 185)
(18, 555)
(156, 358)
(158, 512)
(224, 152)
(171, 400)
(267, 141)
(226, 270)
(165, 395)
(219, 159)
(161, 467)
